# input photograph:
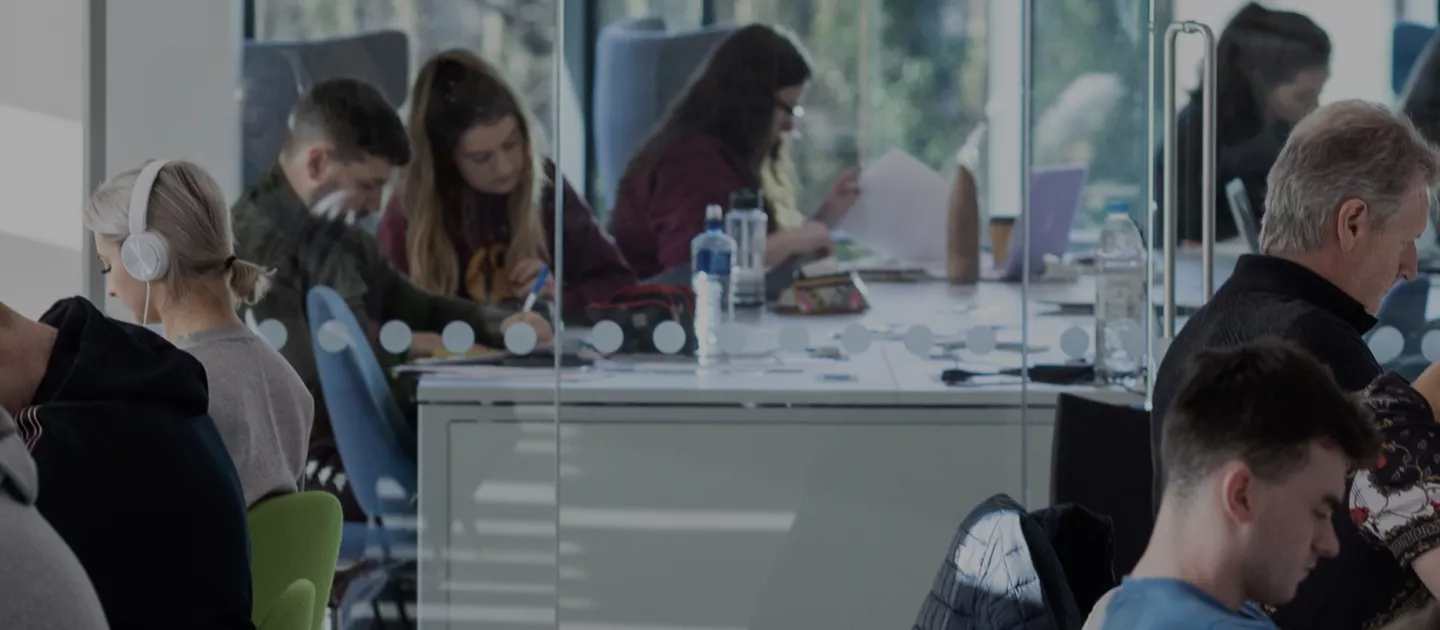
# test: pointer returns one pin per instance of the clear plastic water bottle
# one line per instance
(1120, 297)
(712, 254)
(747, 224)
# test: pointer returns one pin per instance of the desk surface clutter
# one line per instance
(893, 354)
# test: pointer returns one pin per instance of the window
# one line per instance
(908, 75)
(518, 35)
(678, 14)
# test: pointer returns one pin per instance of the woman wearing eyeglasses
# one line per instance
(726, 132)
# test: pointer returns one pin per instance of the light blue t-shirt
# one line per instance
(1168, 604)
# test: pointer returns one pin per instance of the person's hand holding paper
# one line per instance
(900, 210)
(841, 199)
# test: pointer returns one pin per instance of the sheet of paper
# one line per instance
(901, 210)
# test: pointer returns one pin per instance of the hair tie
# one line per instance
(229, 263)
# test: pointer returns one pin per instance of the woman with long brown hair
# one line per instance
(726, 132)
(473, 214)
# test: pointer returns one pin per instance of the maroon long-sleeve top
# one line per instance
(594, 270)
(660, 209)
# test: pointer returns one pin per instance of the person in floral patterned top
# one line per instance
(1396, 502)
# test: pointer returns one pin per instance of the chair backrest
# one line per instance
(293, 538)
(1404, 306)
(1100, 459)
(639, 70)
(363, 412)
(1409, 40)
(276, 73)
(292, 609)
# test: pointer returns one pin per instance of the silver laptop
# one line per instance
(1241, 212)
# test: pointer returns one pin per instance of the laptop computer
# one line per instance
(1055, 196)
(1243, 214)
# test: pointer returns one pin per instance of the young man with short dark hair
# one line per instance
(1257, 446)
(344, 143)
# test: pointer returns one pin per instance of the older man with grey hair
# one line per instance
(1347, 199)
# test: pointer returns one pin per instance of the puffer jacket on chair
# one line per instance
(1001, 573)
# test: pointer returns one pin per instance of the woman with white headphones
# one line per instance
(163, 234)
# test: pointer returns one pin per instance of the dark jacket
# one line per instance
(479, 230)
(1244, 150)
(42, 584)
(1272, 297)
(662, 208)
(1002, 570)
(134, 475)
(275, 229)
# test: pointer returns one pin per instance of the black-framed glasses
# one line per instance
(795, 111)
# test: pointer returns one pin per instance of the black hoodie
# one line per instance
(134, 476)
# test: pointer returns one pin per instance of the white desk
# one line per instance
(760, 500)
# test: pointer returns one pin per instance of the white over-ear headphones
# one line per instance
(144, 254)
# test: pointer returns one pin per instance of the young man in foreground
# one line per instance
(1256, 448)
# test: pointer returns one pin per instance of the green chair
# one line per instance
(293, 610)
(293, 537)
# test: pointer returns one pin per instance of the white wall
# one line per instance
(172, 91)
(172, 77)
(41, 152)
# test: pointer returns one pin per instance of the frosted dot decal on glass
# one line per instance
(669, 337)
(1134, 341)
(457, 337)
(332, 336)
(274, 333)
(607, 337)
(457, 527)
(980, 340)
(794, 338)
(1430, 345)
(1075, 342)
(731, 338)
(395, 337)
(1386, 344)
(919, 339)
(520, 338)
(856, 339)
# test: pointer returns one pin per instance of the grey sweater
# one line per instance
(42, 584)
(262, 409)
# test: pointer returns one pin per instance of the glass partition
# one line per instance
(811, 466)
(414, 234)
(707, 314)
(1368, 61)
(554, 390)
(674, 314)
(1087, 186)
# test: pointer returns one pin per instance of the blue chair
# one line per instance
(366, 420)
(639, 69)
(1404, 306)
(275, 73)
(1404, 310)
(1410, 39)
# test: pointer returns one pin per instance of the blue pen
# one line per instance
(535, 290)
